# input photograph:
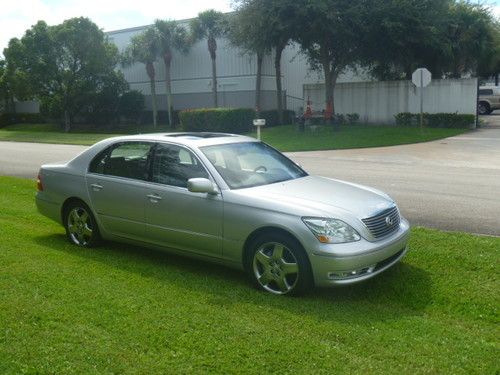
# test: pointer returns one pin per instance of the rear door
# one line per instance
(176, 217)
(117, 186)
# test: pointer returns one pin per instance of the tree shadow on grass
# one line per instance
(403, 290)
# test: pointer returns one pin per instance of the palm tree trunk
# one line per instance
(214, 83)
(150, 69)
(167, 58)
(153, 103)
(279, 90)
(258, 82)
(212, 48)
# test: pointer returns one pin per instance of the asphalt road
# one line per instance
(450, 184)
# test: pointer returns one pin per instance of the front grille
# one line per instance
(383, 223)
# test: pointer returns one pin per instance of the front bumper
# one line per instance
(342, 264)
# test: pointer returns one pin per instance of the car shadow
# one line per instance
(403, 290)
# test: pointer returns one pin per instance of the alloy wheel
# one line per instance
(275, 268)
(80, 227)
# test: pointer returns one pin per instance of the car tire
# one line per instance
(483, 108)
(278, 264)
(80, 224)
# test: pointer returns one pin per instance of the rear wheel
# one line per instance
(80, 224)
(277, 264)
(483, 108)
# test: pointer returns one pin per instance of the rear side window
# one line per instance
(124, 160)
(486, 92)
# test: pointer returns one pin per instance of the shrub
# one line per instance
(226, 120)
(18, 118)
(436, 120)
(146, 117)
(449, 120)
(271, 117)
(406, 119)
(131, 105)
(352, 118)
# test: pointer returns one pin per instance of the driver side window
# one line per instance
(174, 165)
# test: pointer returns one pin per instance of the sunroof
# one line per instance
(199, 135)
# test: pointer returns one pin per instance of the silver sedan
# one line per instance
(228, 199)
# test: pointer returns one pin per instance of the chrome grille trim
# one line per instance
(377, 224)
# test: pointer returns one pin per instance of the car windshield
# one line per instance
(249, 164)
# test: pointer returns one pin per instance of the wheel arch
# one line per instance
(263, 231)
(67, 202)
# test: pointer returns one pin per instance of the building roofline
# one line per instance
(137, 28)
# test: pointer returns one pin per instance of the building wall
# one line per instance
(236, 76)
(378, 102)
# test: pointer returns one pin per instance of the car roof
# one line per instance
(193, 139)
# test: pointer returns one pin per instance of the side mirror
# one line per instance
(201, 185)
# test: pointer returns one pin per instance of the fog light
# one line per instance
(341, 275)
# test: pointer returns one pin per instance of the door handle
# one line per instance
(96, 187)
(154, 198)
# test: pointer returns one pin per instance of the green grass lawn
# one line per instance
(284, 138)
(123, 309)
(287, 138)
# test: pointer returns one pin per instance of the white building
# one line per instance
(236, 74)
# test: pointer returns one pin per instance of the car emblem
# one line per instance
(388, 221)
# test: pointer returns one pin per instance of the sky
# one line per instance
(17, 16)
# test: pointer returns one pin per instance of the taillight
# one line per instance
(39, 185)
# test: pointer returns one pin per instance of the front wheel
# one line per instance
(80, 224)
(279, 265)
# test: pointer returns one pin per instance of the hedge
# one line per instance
(226, 120)
(436, 120)
(146, 117)
(18, 118)
(272, 118)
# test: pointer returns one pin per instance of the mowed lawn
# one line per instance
(129, 310)
(287, 138)
(284, 138)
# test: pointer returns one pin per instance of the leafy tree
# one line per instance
(277, 22)
(172, 37)
(64, 64)
(489, 63)
(451, 38)
(4, 88)
(472, 37)
(210, 25)
(402, 35)
(245, 32)
(331, 40)
(103, 106)
(145, 48)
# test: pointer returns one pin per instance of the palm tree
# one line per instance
(145, 48)
(245, 32)
(210, 25)
(172, 37)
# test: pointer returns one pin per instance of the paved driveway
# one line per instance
(451, 184)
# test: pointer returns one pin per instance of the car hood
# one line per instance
(325, 196)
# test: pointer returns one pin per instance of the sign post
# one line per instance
(258, 123)
(421, 78)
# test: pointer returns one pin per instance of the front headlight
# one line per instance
(331, 230)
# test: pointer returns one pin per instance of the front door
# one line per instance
(176, 217)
